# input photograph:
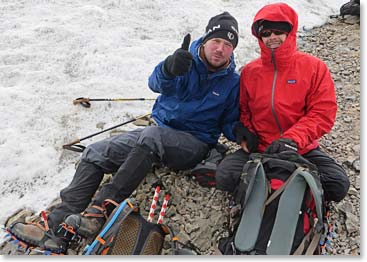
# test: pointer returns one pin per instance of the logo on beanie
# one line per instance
(230, 36)
(234, 29)
(213, 29)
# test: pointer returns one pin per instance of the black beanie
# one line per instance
(222, 26)
(281, 26)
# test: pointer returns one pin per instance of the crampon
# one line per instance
(67, 236)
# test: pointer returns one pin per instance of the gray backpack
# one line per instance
(281, 207)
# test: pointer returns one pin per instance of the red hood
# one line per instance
(278, 12)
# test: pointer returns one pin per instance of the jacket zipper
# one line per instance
(273, 92)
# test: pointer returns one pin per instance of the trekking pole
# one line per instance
(154, 203)
(84, 101)
(163, 209)
(80, 148)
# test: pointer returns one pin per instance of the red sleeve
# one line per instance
(320, 111)
(245, 114)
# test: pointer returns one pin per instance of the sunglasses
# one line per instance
(268, 32)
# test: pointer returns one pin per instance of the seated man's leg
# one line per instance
(175, 149)
(229, 170)
(334, 180)
(99, 158)
(77, 196)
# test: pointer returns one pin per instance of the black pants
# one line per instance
(334, 180)
(130, 154)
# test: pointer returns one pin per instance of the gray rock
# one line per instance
(356, 165)
(353, 191)
(352, 223)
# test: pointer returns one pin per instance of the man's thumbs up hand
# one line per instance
(180, 61)
(186, 42)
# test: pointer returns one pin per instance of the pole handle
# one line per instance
(83, 101)
(75, 148)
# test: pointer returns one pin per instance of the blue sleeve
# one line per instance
(160, 83)
(230, 116)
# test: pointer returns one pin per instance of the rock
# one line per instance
(345, 207)
(353, 191)
(18, 216)
(352, 223)
(189, 228)
(357, 183)
(356, 165)
(183, 237)
(100, 125)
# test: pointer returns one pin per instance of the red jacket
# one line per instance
(300, 104)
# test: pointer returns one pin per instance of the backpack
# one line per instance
(126, 232)
(281, 207)
(350, 8)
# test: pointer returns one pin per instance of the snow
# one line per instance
(53, 51)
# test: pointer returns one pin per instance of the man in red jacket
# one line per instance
(287, 102)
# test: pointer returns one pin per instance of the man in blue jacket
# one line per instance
(199, 100)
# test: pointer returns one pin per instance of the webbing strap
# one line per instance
(317, 195)
(250, 223)
(313, 245)
(280, 189)
(120, 213)
(313, 239)
(302, 245)
(290, 202)
(281, 239)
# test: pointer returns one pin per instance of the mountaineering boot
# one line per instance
(36, 235)
(91, 220)
(88, 223)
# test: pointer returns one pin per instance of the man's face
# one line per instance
(272, 38)
(217, 52)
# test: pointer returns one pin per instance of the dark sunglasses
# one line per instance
(268, 32)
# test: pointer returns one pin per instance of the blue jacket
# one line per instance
(201, 103)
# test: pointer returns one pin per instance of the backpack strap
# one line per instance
(168, 231)
(256, 194)
(281, 239)
(313, 239)
(126, 207)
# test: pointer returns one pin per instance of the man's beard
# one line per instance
(213, 67)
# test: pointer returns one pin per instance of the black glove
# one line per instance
(280, 145)
(180, 62)
(242, 133)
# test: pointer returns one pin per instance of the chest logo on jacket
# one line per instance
(292, 81)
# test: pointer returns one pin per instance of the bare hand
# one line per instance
(244, 146)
